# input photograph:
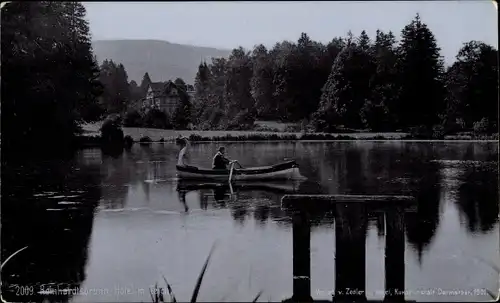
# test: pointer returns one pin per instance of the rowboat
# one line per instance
(278, 187)
(283, 171)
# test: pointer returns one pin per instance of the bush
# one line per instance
(244, 120)
(133, 119)
(481, 127)
(156, 118)
(111, 131)
(145, 140)
(438, 131)
(128, 141)
(294, 128)
(420, 132)
(265, 128)
(181, 116)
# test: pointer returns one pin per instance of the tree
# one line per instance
(284, 90)
(215, 110)
(156, 118)
(472, 85)
(262, 83)
(49, 74)
(135, 93)
(181, 116)
(237, 88)
(376, 113)
(181, 84)
(364, 42)
(132, 119)
(202, 90)
(146, 81)
(116, 96)
(309, 77)
(420, 71)
(345, 91)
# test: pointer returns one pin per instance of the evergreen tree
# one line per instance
(146, 81)
(364, 42)
(420, 71)
(308, 79)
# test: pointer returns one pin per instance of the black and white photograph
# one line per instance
(249, 151)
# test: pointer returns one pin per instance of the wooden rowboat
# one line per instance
(278, 187)
(283, 171)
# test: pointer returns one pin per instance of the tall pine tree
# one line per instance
(146, 81)
(420, 71)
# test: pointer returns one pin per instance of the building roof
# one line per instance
(157, 86)
(160, 88)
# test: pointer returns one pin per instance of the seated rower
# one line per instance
(220, 161)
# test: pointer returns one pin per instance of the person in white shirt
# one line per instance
(183, 155)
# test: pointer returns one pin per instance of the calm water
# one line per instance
(112, 226)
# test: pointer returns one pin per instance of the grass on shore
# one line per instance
(149, 135)
(303, 137)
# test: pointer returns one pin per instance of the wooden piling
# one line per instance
(395, 256)
(301, 257)
(350, 252)
(350, 242)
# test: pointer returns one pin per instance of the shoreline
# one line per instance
(147, 136)
(172, 141)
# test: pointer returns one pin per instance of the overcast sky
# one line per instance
(231, 24)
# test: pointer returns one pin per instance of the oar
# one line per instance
(230, 177)
(236, 161)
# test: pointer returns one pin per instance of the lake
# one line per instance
(112, 226)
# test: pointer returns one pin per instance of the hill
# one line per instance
(161, 59)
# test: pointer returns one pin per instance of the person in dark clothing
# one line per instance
(220, 161)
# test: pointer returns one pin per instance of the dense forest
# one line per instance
(353, 82)
(52, 83)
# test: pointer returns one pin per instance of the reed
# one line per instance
(157, 292)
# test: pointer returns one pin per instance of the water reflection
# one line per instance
(350, 244)
(48, 207)
(140, 190)
(478, 198)
(339, 168)
(424, 183)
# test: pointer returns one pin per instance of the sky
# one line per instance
(231, 24)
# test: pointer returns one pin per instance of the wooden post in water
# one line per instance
(380, 224)
(301, 257)
(395, 256)
(350, 239)
(350, 252)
